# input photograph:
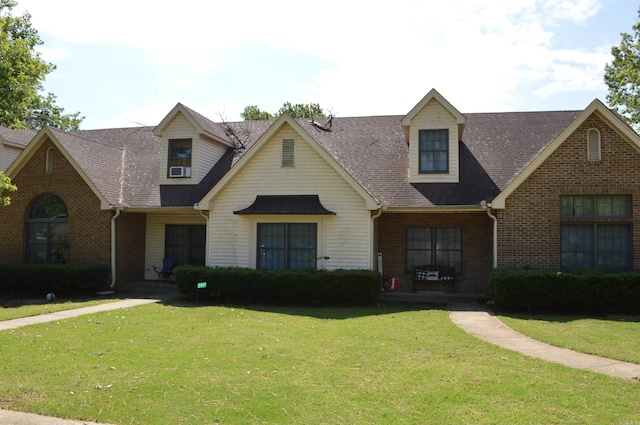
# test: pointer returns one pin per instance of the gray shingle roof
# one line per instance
(124, 163)
(16, 137)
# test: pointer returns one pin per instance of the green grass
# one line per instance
(613, 336)
(179, 364)
(15, 309)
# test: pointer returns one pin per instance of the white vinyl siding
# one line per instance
(344, 237)
(210, 153)
(7, 156)
(433, 117)
(154, 242)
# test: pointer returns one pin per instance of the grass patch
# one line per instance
(612, 336)
(183, 364)
(15, 309)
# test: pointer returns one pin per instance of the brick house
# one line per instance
(433, 186)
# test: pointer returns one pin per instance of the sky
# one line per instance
(125, 63)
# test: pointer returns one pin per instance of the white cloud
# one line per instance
(381, 56)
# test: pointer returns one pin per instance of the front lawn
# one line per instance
(613, 336)
(184, 364)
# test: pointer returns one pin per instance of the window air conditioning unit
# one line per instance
(179, 171)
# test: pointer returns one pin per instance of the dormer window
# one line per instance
(434, 151)
(593, 143)
(179, 158)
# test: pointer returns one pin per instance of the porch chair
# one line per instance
(165, 273)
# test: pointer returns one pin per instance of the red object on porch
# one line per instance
(394, 284)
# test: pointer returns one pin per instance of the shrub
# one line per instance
(64, 279)
(549, 290)
(281, 287)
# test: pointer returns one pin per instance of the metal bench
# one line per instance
(434, 273)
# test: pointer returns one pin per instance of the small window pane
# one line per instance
(418, 247)
(576, 206)
(271, 246)
(613, 206)
(302, 246)
(614, 247)
(577, 246)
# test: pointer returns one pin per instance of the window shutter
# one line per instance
(593, 150)
(287, 153)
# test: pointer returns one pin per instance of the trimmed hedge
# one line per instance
(549, 290)
(281, 287)
(64, 279)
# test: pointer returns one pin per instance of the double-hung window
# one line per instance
(434, 245)
(434, 151)
(287, 245)
(179, 158)
(596, 232)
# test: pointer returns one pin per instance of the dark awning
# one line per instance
(285, 204)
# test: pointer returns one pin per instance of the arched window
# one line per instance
(47, 227)
(593, 143)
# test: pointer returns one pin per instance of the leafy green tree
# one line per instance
(5, 185)
(302, 110)
(253, 113)
(299, 110)
(22, 73)
(622, 76)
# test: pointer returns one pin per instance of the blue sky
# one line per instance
(125, 63)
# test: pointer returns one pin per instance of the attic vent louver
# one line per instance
(593, 141)
(287, 153)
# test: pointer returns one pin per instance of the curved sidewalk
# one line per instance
(483, 324)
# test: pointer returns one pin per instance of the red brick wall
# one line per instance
(529, 226)
(130, 243)
(477, 234)
(89, 226)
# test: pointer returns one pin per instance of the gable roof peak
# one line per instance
(202, 124)
(433, 95)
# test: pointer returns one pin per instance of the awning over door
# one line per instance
(285, 204)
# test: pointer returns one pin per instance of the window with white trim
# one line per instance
(434, 151)
(287, 245)
(179, 164)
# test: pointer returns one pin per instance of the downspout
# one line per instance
(495, 232)
(119, 208)
(206, 235)
(381, 207)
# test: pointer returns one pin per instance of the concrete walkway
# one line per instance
(483, 324)
(61, 315)
(472, 317)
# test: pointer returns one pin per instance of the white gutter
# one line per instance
(119, 208)
(487, 206)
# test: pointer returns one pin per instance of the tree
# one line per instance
(299, 110)
(5, 185)
(253, 113)
(22, 72)
(302, 110)
(622, 76)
